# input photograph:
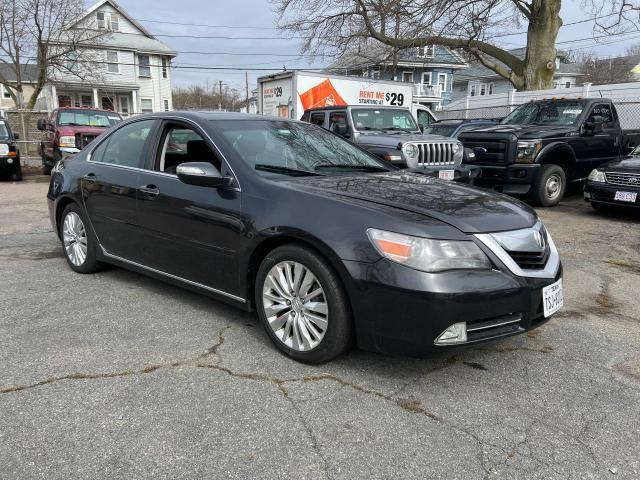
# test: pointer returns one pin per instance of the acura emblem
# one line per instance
(537, 236)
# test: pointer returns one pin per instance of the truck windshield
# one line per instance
(561, 113)
(383, 119)
(4, 131)
(88, 118)
(280, 147)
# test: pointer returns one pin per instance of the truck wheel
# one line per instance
(550, 186)
(16, 175)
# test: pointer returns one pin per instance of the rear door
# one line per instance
(110, 187)
(188, 231)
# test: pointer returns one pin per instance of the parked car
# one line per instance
(9, 153)
(328, 243)
(453, 128)
(615, 184)
(68, 130)
(542, 145)
(392, 134)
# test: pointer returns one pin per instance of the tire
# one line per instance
(81, 260)
(16, 175)
(550, 186)
(313, 334)
(46, 168)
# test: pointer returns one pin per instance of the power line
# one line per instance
(208, 26)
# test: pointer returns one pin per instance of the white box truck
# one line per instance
(289, 94)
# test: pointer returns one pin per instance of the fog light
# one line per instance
(521, 173)
(456, 333)
(9, 161)
(587, 196)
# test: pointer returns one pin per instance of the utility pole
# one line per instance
(220, 102)
(246, 87)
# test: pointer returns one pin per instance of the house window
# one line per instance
(407, 77)
(490, 89)
(375, 74)
(567, 85)
(426, 78)
(473, 90)
(144, 66)
(147, 105)
(115, 22)
(166, 105)
(71, 62)
(5, 92)
(64, 100)
(112, 62)
(427, 51)
(86, 101)
(164, 67)
(442, 81)
(101, 20)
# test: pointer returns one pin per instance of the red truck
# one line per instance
(68, 130)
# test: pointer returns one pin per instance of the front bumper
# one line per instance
(604, 194)
(512, 179)
(461, 173)
(402, 311)
(9, 164)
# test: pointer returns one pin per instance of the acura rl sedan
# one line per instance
(328, 244)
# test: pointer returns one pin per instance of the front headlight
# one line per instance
(528, 150)
(426, 254)
(410, 151)
(458, 152)
(67, 141)
(597, 176)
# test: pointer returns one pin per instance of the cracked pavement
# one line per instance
(116, 375)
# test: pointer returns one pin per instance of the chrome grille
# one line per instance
(624, 179)
(436, 154)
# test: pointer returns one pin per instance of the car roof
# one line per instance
(208, 115)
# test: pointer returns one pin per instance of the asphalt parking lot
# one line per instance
(116, 375)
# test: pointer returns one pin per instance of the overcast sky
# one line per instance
(256, 18)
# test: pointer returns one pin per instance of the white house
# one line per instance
(127, 70)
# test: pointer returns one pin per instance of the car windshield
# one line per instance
(440, 129)
(383, 119)
(88, 118)
(278, 147)
(562, 113)
(4, 131)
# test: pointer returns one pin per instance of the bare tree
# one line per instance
(37, 33)
(206, 97)
(334, 27)
(602, 71)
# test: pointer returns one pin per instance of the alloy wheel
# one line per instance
(74, 238)
(295, 306)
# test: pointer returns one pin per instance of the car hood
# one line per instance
(468, 209)
(393, 139)
(628, 164)
(524, 131)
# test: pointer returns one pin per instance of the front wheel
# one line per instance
(302, 305)
(16, 175)
(78, 243)
(550, 186)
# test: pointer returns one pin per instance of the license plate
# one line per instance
(446, 174)
(626, 196)
(552, 298)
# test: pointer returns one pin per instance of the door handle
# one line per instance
(150, 191)
(90, 178)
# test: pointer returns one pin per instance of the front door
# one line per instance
(124, 105)
(595, 149)
(188, 231)
(109, 188)
(107, 103)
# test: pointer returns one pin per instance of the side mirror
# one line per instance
(42, 125)
(202, 174)
(16, 136)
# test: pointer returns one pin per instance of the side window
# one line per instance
(338, 123)
(305, 117)
(602, 110)
(424, 119)
(125, 146)
(181, 144)
(317, 118)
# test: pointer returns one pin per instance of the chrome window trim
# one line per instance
(174, 277)
(163, 117)
(553, 262)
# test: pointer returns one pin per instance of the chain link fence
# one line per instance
(25, 124)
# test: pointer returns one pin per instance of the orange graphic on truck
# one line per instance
(322, 95)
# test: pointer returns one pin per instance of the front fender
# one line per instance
(555, 150)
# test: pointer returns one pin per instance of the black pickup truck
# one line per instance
(544, 144)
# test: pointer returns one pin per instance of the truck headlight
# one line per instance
(528, 150)
(410, 151)
(597, 175)
(67, 141)
(428, 255)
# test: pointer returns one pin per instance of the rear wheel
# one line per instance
(550, 186)
(78, 243)
(302, 305)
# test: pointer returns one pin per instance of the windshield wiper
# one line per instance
(281, 169)
(365, 168)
